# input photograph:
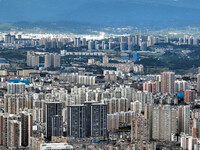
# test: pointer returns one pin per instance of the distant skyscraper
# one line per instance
(19, 37)
(195, 41)
(53, 123)
(91, 45)
(103, 45)
(52, 60)
(77, 42)
(47, 63)
(110, 44)
(12, 40)
(84, 42)
(8, 38)
(105, 60)
(32, 60)
(143, 46)
(130, 43)
(167, 83)
(123, 45)
(56, 60)
(136, 57)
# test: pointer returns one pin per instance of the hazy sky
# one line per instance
(101, 11)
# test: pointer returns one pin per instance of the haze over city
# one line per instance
(99, 74)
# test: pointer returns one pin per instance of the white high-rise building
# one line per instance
(77, 42)
(56, 60)
(164, 122)
(180, 86)
(186, 119)
(52, 60)
(136, 107)
(47, 62)
(32, 59)
(16, 88)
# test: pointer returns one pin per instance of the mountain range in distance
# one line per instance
(101, 13)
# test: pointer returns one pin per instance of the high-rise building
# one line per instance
(47, 63)
(110, 44)
(105, 60)
(148, 117)
(96, 118)
(77, 42)
(103, 45)
(189, 96)
(56, 60)
(130, 42)
(52, 60)
(10, 131)
(150, 87)
(188, 142)
(76, 121)
(184, 119)
(32, 59)
(19, 37)
(112, 121)
(8, 38)
(140, 130)
(167, 83)
(122, 46)
(3, 130)
(91, 45)
(143, 46)
(53, 109)
(12, 40)
(116, 105)
(195, 41)
(88, 120)
(84, 43)
(14, 133)
(57, 125)
(26, 127)
(198, 83)
(164, 122)
(136, 107)
(180, 86)
(196, 128)
(35, 61)
(136, 57)
(14, 103)
(16, 88)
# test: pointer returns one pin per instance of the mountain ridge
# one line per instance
(104, 12)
